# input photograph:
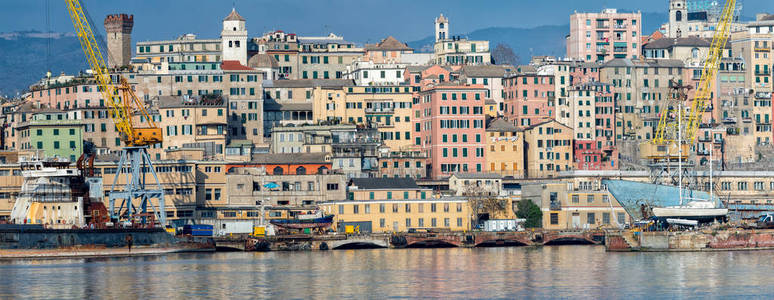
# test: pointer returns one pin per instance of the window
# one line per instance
(554, 217)
(590, 218)
(332, 186)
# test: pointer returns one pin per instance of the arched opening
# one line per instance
(679, 16)
(277, 171)
(695, 52)
(301, 171)
(322, 170)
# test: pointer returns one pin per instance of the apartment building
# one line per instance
(52, 134)
(593, 123)
(604, 36)
(368, 73)
(406, 164)
(530, 98)
(491, 77)
(449, 127)
(257, 186)
(326, 57)
(504, 149)
(386, 108)
(64, 92)
(381, 205)
(291, 101)
(194, 122)
(567, 206)
(640, 91)
(549, 149)
(185, 48)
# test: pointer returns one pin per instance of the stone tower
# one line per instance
(119, 39)
(233, 38)
(441, 28)
(678, 18)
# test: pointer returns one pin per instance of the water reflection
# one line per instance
(548, 272)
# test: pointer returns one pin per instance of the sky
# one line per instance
(363, 21)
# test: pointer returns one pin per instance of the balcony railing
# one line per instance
(620, 26)
(556, 205)
(380, 110)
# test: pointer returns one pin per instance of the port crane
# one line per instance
(123, 104)
(677, 130)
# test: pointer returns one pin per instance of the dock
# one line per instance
(300, 242)
(681, 241)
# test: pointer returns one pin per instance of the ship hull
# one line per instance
(25, 240)
(698, 214)
(304, 223)
(634, 196)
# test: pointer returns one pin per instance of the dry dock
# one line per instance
(705, 240)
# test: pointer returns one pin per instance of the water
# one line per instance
(547, 272)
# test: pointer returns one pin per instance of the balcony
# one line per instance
(762, 72)
(729, 120)
(379, 110)
(763, 95)
(747, 120)
(556, 205)
(762, 49)
(620, 26)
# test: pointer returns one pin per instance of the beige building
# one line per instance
(549, 149)
(396, 205)
(253, 186)
(454, 50)
(290, 101)
(505, 149)
(388, 108)
(568, 206)
(407, 164)
(194, 122)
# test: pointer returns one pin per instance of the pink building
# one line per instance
(76, 93)
(450, 128)
(594, 127)
(584, 72)
(530, 98)
(604, 36)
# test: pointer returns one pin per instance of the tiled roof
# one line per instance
(384, 183)
(501, 125)
(310, 83)
(233, 16)
(477, 176)
(487, 70)
(664, 43)
(388, 44)
(233, 65)
(626, 62)
(289, 158)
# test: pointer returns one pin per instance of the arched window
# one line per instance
(300, 171)
(695, 52)
(322, 170)
(679, 16)
(277, 171)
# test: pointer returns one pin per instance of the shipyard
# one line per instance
(596, 153)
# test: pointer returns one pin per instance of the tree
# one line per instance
(482, 202)
(504, 55)
(531, 212)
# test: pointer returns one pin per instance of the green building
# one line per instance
(54, 134)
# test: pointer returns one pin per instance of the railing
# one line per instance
(373, 110)
(620, 26)
(556, 205)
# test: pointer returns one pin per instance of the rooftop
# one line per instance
(289, 158)
(383, 183)
(308, 83)
(498, 71)
(626, 62)
(501, 125)
(388, 44)
(664, 43)
(477, 176)
(188, 101)
(234, 16)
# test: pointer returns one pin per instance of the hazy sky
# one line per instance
(357, 20)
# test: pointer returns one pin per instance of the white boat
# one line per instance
(694, 210)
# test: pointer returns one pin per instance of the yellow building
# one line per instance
(396, 205)
(505, 149)
(549, 149)
(386, 107)
(193, 122)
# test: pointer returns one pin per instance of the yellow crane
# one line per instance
(134, 161)
(122, 101)
(677, 128)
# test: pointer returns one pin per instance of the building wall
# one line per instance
(505, 153)
(437, 116)
(400, 215)
(530, 98)
(549, 149)
(186, 124)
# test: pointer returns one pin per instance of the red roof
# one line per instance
(233, 65)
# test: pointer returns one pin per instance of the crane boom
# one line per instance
(121, 99)
(704, 92)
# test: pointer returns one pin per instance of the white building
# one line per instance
(367, 73)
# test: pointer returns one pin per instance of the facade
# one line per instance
(449, 127)
(194, 122)
(529, 98)
(289, 102)
(326, 57)
(233, 38)
(255, 186)
(593, 123)
(567, 206)
(386, 108)
(368, 73)
(491, 77)
(381, 205)
(406, 164)
(697, 18)
(52, 134)
(548, 148)
(504, 149)
(604, 36)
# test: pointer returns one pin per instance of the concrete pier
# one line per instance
(705, 240)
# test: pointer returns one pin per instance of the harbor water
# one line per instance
(518, 272)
